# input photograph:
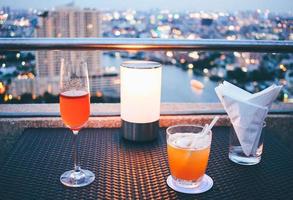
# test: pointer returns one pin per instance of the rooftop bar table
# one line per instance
(126, 170)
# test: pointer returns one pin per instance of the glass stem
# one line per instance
(75, 153)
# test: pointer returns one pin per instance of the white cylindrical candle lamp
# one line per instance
(140, 99)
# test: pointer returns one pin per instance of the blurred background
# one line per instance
(33, 76)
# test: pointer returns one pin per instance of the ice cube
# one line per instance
(190, 140)
(200, 141)
(183, 142)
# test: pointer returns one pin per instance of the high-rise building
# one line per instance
(66, 22)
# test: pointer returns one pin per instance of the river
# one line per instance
(176, 84)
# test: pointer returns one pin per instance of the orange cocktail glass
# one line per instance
(75, 112)
(188, 154)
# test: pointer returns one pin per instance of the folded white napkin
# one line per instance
(247, 112)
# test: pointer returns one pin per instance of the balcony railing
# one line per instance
(273, 46)
(124, 44)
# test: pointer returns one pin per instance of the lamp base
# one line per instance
(140, 132)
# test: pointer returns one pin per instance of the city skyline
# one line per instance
(32, 77)
(184, 5)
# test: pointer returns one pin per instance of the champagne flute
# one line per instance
(75, 111)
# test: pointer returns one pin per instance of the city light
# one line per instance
(99, 94)
(129, 17)
(117, 33)
(231, 37)
(31, 75)
(231, 28)
(17, 55)
(6, 98)
(244, 69)
(285, 97)
(22, 22)
(3, 65)
(173, 61)
(205, 70)
(90, 26)
(160, 17)
(169, 54)
(193, 55)
(117, 55)
(152, 19)
(21, 77)
(49, 88)
(221, 74)
(23, 63)
(3, 18)
(182, 60)
(283, 68)
(190, 66)
(116, 15)
(2, 88)
(194, 15)
(237, 54)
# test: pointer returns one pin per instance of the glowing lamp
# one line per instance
(140, 99)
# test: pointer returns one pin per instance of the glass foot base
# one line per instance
(244, 160)
(205, 184)
(77, 179)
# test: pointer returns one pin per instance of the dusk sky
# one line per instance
(176, 5)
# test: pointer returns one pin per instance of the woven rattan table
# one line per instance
(125, 170)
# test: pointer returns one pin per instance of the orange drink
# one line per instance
(188, 153)
(75, 108)
(188, 164)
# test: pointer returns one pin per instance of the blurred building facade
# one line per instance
(68, 21)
